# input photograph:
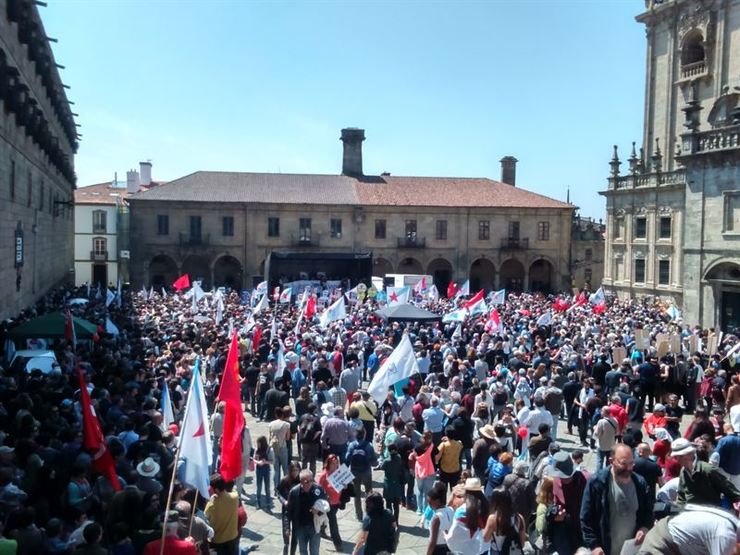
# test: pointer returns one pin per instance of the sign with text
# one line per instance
(18, 248)
(341, 477)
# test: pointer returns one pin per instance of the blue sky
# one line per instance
(441, 88)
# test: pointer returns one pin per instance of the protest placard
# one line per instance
(341, 478)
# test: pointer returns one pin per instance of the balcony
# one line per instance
(194, 240)
(304, 241)
(689, 71)
(98, 228)
(662, 179)
(411, 242)
(99, 256)
(515, 243)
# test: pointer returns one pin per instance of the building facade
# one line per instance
(223, 227)
(587, 253)
(673, 221)
(39, 140)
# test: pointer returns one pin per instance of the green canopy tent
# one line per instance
(51, 326)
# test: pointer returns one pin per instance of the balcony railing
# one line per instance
(187, 240)
(304, 241)
(515, 243)
(98, 255)
(661, 179)
(100, 228)
(694, 69)
(411, 242)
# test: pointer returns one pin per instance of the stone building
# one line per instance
(673, 221)
(234, 228)
(39, 140)
(587, 253)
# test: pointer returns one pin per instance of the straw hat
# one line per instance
(473, 484)
(487, 431)
(148, 468)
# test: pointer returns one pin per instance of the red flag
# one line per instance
(93, 440)
(599, 308)
(183, 282)
(581, 299)
(451, 288)
(256, 336)
(310, 307)
(69, 330)
(474, 299)
(230, 393)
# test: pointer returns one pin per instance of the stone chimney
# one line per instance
(352, 159)
(145, 169)
(508, 170)
(132, 182)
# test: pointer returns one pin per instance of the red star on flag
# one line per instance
(201, 431)
(394, 297)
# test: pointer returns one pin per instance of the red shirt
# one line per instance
(172, 546)
(335, 497)
(652, 422)
(620, 415)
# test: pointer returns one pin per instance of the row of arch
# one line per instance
(227, 271)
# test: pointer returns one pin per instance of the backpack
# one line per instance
(358, 459)
(306, 430)
(501, 397)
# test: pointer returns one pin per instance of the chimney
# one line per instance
(132, 181)
(352, 159)
(508, 170)
(145, 169)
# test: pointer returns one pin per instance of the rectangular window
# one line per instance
(51, 204)
(99, 221)
(195, 228)
(639, 270)
(99, 246)
(304, 230)
(56, 205)
(664, 272)
(30, 190)
(12, 180)
(41, 197)
(484, 230)
(440, 230)
(640, 227)
(410, 230)
(273, 227)
(335, 228)
(587, 275)
(665, 227)
(228, 226)
(163, 224)
(513, 230)
(589, 254)
(618, 227)
(380, 229)
(543, 231)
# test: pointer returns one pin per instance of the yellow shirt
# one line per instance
(368, 409)
(222, 515)
(449, 451)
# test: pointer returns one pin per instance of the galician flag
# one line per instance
(195, 439)
(336, 311)
(398, 295)
(400, 365)
(464, 290)
(262, 305)
(498, 297)
(433, 293)
(110, 296)
(598, 297)
(458, 315)
(545, 319)
(110, 327)
(261, 288)
(168, 417)
(285, 295)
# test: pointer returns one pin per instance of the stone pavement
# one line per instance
(265, 529)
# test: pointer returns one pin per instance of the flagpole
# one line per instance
(172, 480)
(192, 514)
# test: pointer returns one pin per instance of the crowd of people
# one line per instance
(568, 437)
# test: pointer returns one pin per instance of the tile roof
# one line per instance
(102, 193)
(384, 190)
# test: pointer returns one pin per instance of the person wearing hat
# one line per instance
(481, 450)
(656, 420)
(568, 487)
(465, 535)
(172, 543)
(616, 506)
(700, 482)
(147, 481)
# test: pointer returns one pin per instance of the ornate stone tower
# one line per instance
(673, 222)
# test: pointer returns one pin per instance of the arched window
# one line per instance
(693, 49)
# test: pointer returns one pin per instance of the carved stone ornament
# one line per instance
(638, 254)
(620, 212)
(664, 255)
(665, 210)
(641, 210)
(619, 255)
(695, 17)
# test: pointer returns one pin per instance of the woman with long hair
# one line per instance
(331, 465)
(505, 531)
(466, 532)
(286, 484)
(378, 533)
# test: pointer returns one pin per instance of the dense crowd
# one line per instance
(469, 443)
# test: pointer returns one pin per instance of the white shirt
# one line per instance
(536, 417)
(701, 530)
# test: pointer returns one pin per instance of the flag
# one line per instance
(256, 336)
(494, 323)
(273, 328)
(69, 330)
(498, 297)
(110, 296)
(310, 307)
(119, 299)
(98, 294)
(93, 440)
(88, 289)
(673, 312)
(420, 286)
(458, 332)
(233, 424)
(451, 288)
(261, 305)
(400, 365)
(545, 319)
(219, 310)
(458, 315)
(168, 417)
(598, 297)
(580, 299)
(276, 294)
(560, 305)
(285, 295)
(151, 293)
(183, 282)
(143, 292)
(478, 307)
(433, 293)
(353, 293)
(398, 295)
(599, 308)
(335, 311)
(195, 439)
(261, 288)
(110, 327)
(464, 290)
(474, 299)
(164, 293)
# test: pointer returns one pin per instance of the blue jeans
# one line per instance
(280, 464)
(421, 488)
(602, 459)
(262, 475)
(554, 427)
(308, 540)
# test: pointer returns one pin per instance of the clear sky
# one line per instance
(441, 88)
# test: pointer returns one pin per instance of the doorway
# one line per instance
(730, 311)
(100, 275)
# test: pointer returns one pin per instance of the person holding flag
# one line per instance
(233, 425)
